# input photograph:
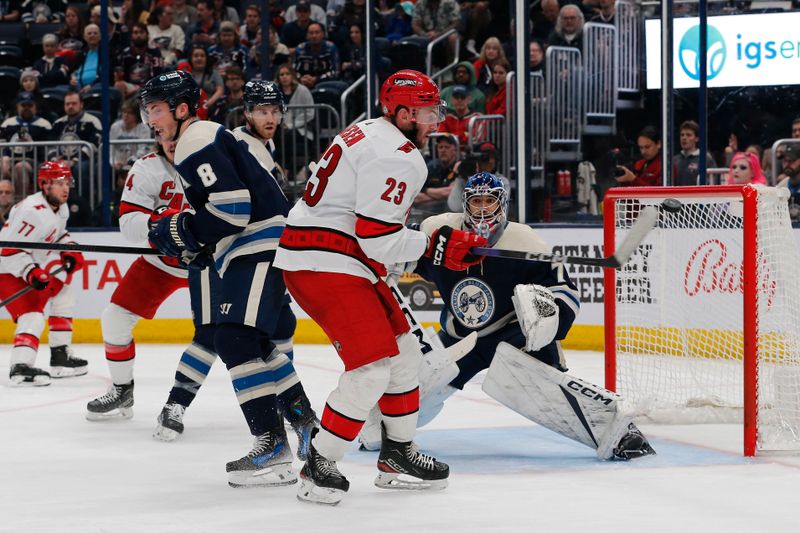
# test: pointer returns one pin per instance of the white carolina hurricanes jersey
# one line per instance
(151, 184)
(32, 220)
(352, 216)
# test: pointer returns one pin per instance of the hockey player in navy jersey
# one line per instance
(264, 110)
(239, 214)
(530, 306)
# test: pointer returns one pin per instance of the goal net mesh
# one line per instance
(679, 316)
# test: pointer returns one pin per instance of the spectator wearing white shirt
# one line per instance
(165, 35)
(317, 14)
(128, 127)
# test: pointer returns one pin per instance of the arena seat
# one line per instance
(11, 55)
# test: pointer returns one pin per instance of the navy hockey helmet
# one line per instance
(173, 88)
(486, 206)
(260, 92)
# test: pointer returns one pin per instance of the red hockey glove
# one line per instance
(38, 278)
(72, 261)
(450, 248)
(159, 213)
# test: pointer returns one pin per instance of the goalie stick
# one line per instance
(646, 221)
(29, 288)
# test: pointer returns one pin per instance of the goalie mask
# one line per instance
(485, 206)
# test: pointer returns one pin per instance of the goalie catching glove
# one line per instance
(451, 248)
(537, 313)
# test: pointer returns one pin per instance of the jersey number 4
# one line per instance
(319, 181)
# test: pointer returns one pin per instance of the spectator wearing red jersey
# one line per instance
(457, 119)
(496, 99)
(647, 170)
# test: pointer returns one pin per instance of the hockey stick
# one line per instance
(641, 227)
(29, 288)
(74, 247)
(426, 343)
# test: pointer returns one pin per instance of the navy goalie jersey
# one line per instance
(479, 299)
(239, 207)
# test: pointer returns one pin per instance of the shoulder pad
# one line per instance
(524, 238)
(431, 224)
(196, 137)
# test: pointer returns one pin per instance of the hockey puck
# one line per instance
(671, 205)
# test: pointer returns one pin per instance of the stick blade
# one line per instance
(646, 221)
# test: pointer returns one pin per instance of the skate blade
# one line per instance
(21, 381)
(123, 413)
(390, 480)
(274, 476)
(164, 434)
(67, 372)
(311, 493)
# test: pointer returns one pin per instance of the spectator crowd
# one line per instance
(52, 72)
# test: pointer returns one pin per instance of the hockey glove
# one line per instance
(72, 261)
(38, 278)
(537, 313)
(159, 213)
(171, 236)
(451, 247)
(197, 260)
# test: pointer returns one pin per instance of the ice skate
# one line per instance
(633, 445)
(403, 466)
(320, 479)
(170, 422)
(63, 364)
(303, 420)
(22, 374)
(118, 401)
(268, 464)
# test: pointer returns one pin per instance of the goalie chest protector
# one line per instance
(479, 298)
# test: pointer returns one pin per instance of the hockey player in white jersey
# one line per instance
(41, 217)
(334, 251)
(239, 215)
(151, 191)
(520, 311)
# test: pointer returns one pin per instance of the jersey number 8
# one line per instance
(206, 174)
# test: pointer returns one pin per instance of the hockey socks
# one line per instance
(192, 372)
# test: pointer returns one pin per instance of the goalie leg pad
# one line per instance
(571, 407)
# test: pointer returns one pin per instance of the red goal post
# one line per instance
(701, 325)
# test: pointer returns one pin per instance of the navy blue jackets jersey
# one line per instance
(239, 207)
(479, 299)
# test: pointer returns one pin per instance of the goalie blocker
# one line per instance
(570, 406)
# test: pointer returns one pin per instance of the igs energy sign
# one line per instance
(743, 50)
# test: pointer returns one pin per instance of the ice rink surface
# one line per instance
(61, 473)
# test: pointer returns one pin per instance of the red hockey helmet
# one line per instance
(54, 170)
(416, 92)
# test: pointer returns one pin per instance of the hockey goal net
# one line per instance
(702, 325)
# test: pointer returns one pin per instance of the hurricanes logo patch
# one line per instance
(472, 302)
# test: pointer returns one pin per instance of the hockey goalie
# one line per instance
(520, 310)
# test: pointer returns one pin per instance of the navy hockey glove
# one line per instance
(198, 260)
(171, 236)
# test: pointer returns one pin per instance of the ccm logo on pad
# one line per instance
(588, 392)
